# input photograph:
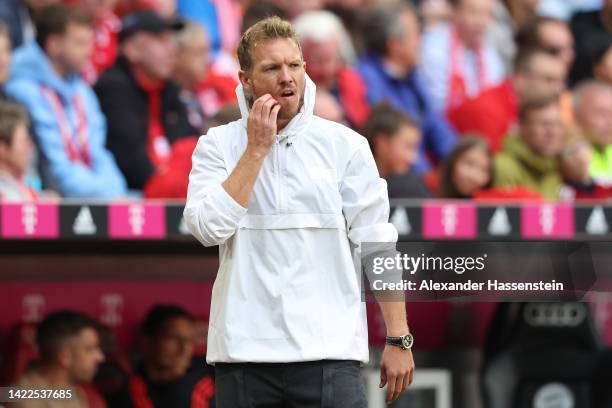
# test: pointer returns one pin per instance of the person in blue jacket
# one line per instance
(69, 127)
(389, 69)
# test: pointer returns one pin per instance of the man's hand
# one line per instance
(396, 370)
(261, 125)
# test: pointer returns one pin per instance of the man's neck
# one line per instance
(467, 41)
(394, 69)
(382, 169)
(59, 69)
(185, 81)
(160, 374)
(144, 79)
(54, 376)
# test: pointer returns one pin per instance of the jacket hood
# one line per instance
(300, 120)
(517, 147)
(31, 63)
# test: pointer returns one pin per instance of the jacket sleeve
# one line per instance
(72, 179)
(104, 166)
(365, 201)
(125, 137)
(211, 214)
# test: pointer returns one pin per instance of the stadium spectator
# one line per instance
(203, 91)
(169, 375)
(434, 13)
(70, 352)
(589, 28)
(19, 16)
(390, 72)
(5, 59)
(106, 30)
(510, 18)
(593, 110)
(258, 10)
(328, 52)
(327, 107)
(494, 113)
(467, 170)
(530, 159)
(68, 124)
(578, 184)
(15, 153)
(456, 60)
(394, 140)
(142, 104)
(550, 34)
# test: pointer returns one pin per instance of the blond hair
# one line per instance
(267, 29)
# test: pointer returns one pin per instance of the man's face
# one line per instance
(543, 131)
(324, 61)
(557, 37)
(400, 151)
(404, 49)
(279, 70)
(5, 58)
(192, 57)
(85, 355)
(546, 75)
(472, 18)
(594, 116)
(16, 156)
(173, 346)
(73, 49)
(155, 53)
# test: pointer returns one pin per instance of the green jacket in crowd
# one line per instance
(601, 163)
(519, 166)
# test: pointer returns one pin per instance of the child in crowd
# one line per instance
(16, 149)
(395, 139)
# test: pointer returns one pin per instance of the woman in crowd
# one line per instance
(467, 173)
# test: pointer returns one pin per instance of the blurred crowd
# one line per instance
(478, 99)
(73, 352)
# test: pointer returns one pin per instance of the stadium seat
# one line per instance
(540, 355)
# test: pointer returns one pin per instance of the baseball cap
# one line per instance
(147, 21)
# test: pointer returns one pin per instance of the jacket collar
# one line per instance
(516, 146)
(298, 122)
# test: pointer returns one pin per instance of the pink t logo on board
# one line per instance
(30, 220)
(547, 221)
(137, 220)
(449, 220)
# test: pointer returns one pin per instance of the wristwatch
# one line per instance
(404, 342)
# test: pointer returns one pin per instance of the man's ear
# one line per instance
(245, 80)
(64, 357)
(52, 45)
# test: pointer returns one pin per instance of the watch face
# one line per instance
(407, 341)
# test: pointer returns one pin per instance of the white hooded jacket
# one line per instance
(286, 289)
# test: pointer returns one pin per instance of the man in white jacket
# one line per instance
(285, 194)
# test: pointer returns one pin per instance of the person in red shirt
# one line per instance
(494, 113)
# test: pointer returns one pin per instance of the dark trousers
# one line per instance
(316, 384)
